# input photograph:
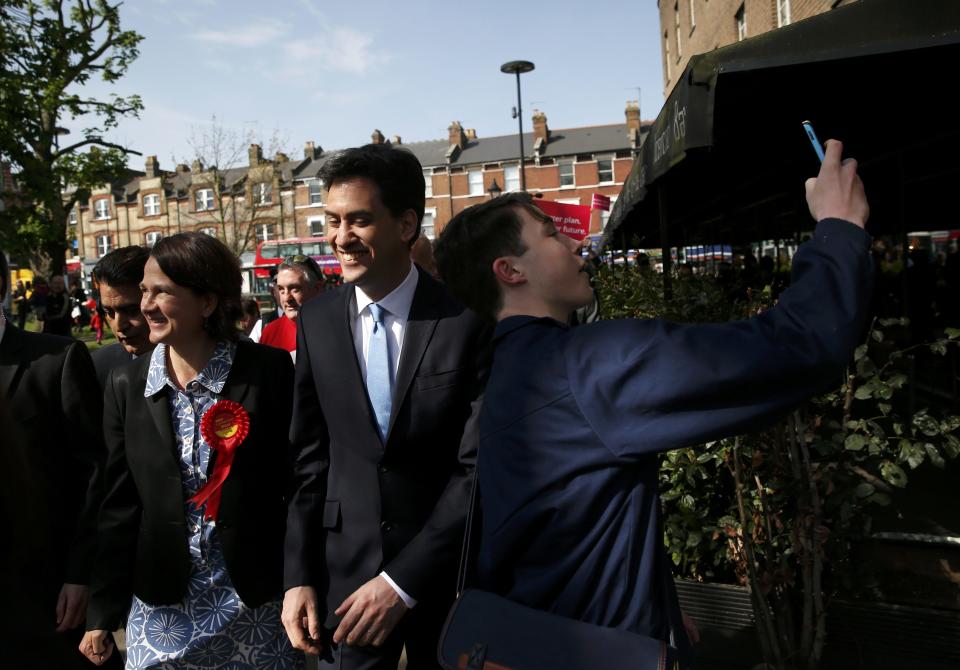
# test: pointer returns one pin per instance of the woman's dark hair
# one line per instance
(468, 245)
(396, 172)
(251, 308)
(205, 265)
(121, 267)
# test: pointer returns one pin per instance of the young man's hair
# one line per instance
(470, 243)
(251, 308)
(396, 172)
(121, 267)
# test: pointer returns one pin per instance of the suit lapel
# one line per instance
(10, 361)
(159, 409)
(421, 324)
(238, 381)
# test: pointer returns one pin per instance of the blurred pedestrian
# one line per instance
(57, 319)
(251, 323)
(299, 280)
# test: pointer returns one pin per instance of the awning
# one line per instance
(727, 157)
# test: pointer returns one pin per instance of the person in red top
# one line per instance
(299, 280)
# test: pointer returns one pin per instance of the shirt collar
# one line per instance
(213, 377)
(513, 323)
(398, 301)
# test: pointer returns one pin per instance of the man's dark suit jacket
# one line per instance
(360, 506)
(109, 357)
(574, 418)
(53, 399)
(142, 526)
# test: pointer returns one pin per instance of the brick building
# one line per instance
(689, 27)
(279, 198)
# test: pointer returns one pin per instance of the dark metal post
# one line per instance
(523, 172)
(664, 242)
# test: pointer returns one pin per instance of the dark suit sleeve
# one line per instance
(310, 458)
(431, 552)
(118, 522)
(84, 453)
(650, 385)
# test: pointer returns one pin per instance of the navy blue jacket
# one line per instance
(573, 419)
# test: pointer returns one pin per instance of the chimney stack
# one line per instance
(540, 130)
(256, 155)
(632, 113)
(456, 135)
(376, 137)
(281, 158)
(181, 168)
(396, 140)
(310, 150)
(471, 133)
(197, 166)
(153, 167)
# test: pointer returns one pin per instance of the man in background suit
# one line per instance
(117, 276)
(389, 373)
(51, 392)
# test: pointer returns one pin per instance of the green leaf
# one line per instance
(911, 453)
(927, 424)
(879, 498)
(864, 489)
(950, 446)
(934, 455)
(860, 352)
(897, 380)
(877, 335)
(863, 393)
(855, 442)
(885, 407)
(939, 347)
(952, 333)
(886, 323)
(893, 474)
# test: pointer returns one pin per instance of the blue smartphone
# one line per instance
(817, 147)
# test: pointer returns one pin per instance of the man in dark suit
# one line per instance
(574, 417)
(389, 372)
(117, 277)
(51, 392)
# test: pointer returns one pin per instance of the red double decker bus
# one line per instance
(273, 253)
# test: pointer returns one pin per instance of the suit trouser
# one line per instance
(418, 632)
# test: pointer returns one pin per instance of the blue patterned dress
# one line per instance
(211, 627)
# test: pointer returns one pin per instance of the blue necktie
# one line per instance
(379, 387)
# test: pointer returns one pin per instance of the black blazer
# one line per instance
(358, 506)
(142, 527)
(53, 398)
(109, 357)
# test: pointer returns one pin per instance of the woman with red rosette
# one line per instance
(192, 523)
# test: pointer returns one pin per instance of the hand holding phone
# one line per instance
(817, 147)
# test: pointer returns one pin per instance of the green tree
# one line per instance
(48, 50)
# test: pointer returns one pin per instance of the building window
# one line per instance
(101, 209)
(104, 245)
(605, 215)
(315, 186)
(428, 225)
(783, 13)
(566, 174)
(741, 18)
(72, 216)
(262, 193)
(604, 170)
(666, 53)
(211, 231)
(693, 16)
(475, 178)
(151, 205)
(265, 232)
(316, 226)
(428, 182)
(676, 27)
(152, 238)
(511, 178)
(203, 199)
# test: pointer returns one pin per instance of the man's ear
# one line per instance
(408, 226)
(506, 271)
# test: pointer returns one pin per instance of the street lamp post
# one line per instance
(494, 189)
(518, 67)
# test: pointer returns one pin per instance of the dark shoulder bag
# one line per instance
(485, 631)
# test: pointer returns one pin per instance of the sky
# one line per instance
(332, 72)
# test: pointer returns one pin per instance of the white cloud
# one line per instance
(341, 50)
(251, 35)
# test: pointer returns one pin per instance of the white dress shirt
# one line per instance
(396, 311)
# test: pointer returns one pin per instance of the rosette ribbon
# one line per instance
(223, 427)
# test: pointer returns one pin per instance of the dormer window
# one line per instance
(203, 199)
(262, 193)
(151, 205)
(101, 209)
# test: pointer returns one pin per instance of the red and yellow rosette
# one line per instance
(223, 427)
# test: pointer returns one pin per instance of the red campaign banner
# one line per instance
(571, 220)
(601, 202)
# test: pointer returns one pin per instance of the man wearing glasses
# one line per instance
(299, 280)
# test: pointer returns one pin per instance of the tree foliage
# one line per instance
(48, 50)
